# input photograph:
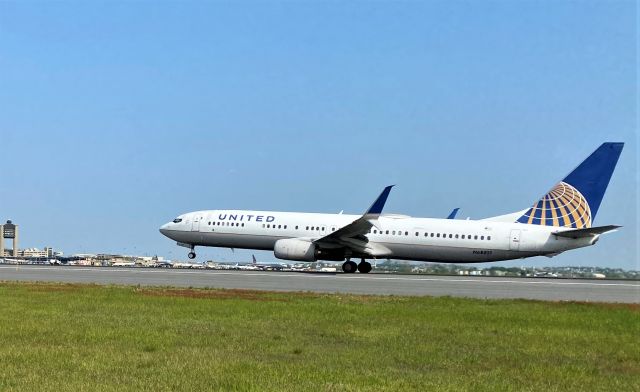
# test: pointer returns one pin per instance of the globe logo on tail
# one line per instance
(563, 206)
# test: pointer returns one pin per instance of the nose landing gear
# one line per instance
(192, 254)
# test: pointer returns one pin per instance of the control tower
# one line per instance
(9, 231)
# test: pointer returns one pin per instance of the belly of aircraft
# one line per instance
(227, 240)
(450, 254)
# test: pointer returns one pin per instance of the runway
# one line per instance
(378, 284)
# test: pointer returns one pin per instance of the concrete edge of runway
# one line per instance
(484, 287)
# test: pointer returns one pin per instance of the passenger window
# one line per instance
(296, 227)
(475, 237)
(243, 225)
(431, 234)
(407, 233)
(311, 227)
(416, 233)
(463, 236)
(387, 231)
(268, 226)
(426, 234)
(450, 235)
(394, 232)
(279, 226)
(285, 227)
(307, 228)
(482, 237)
(488, 238)
(375, 232)
(438, 235)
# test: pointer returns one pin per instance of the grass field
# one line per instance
(92, 338)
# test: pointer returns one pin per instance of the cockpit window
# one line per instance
(177, 220)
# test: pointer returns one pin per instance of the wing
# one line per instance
(352, 236)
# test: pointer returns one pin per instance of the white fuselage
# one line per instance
(393, 236)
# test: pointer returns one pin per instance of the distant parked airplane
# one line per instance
(561, 220)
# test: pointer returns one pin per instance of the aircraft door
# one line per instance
(514, 240)
(195, 225)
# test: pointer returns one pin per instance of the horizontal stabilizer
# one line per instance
(590, 232)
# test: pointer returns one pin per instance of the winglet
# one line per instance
(453, 213)
(378, 205)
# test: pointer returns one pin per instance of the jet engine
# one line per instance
(294, 249)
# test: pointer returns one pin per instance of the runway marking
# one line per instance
(451, 279)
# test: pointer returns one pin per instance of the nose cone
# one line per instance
(164, 229)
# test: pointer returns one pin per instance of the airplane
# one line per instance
(559, 221)
(256, 265)
(267, 267)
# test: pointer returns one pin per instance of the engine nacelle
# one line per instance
(294, 249)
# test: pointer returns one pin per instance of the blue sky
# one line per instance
(117, 116)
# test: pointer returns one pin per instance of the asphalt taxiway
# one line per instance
(379, 284)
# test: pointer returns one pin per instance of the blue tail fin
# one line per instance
(575, 200)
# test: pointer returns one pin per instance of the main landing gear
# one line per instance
(364, 267)
(349, 267)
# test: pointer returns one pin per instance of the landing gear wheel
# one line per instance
(349, 267)
(192, 255)
(364, 267)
